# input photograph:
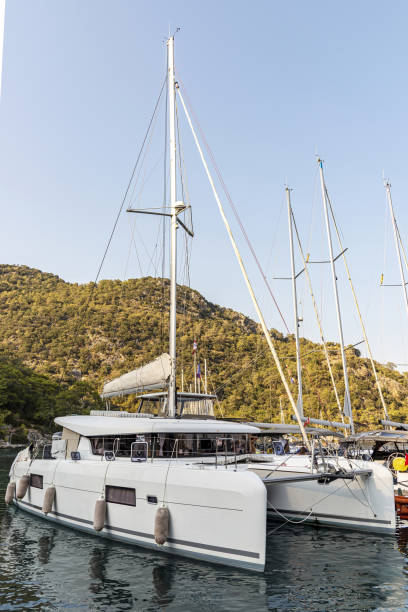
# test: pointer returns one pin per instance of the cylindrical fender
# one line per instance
(161, 525)
(10, 492)
(48, 501)
(99, 514)
(22, 486)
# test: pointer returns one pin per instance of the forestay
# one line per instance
(153, 375)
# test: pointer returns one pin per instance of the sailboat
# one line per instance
(385, 445)
(152, 478)
(187, 486)
(391, 443)
(344, 505)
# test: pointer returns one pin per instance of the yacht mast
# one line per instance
(316, 310)
(397, 243)
(282, 416)
(347, 402)
(363, 329)
(172, 403)
(295, 306)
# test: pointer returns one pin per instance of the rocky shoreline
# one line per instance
(4, 444)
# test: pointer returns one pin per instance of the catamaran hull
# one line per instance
(365, 503)
(112, 534)
(215, 516)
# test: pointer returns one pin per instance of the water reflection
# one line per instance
(97, 564)
(402, 539)
(45, 545)
(162, 581)
(43, 566)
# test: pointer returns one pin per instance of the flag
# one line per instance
(406, 458)
(194, 347)
(199, 371)
(292, 380)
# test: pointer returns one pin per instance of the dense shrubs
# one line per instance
(61, 341)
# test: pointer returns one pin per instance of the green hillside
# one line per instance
(61, 341)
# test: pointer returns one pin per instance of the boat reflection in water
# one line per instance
(46, 567)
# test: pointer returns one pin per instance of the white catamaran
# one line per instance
(169, 477)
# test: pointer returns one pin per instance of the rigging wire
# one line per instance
(133, 229)
(143, 166)
(184, 272)
(242, 369)
(318, 318)
(234, 209)
(188, 321)
(273, 241)
(133, 243)
(404, 254)
(150, 256)
(217, 401)
(402, 245)
(156, 251)
(94, 284)
(382, 299)
(129, 184)
(135, 197)
(338, 232)
(312, 215)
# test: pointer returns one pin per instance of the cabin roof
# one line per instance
(90, 425)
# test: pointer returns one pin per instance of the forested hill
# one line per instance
(61, 341)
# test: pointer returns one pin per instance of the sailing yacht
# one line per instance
(152, 478)
(347, 502)
(172, 478)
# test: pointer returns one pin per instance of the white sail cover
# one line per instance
(153, 375)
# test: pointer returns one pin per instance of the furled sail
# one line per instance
(153, 375)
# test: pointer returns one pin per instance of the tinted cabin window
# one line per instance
(120, 445)
(120, 495)
(36, 481)
(175, 444)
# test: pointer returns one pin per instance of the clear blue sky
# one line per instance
(273, 83)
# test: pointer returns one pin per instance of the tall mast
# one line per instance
(347, 402)
(295, 306)
(397, 243)
(384, 405)
(316, 310)
(173, 225)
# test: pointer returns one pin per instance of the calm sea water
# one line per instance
(43, 567)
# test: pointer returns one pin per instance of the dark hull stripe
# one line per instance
(230, 551)
(332, 516)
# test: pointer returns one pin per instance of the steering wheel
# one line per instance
(390, 460)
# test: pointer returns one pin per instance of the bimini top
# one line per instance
(111, 425)
(381, 435)
(282, 428)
